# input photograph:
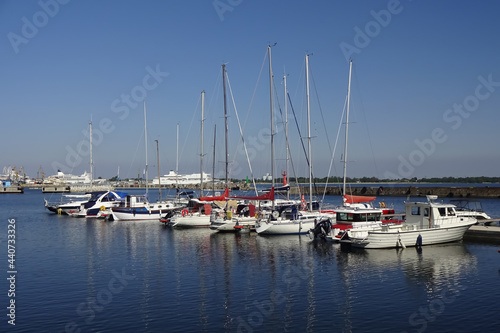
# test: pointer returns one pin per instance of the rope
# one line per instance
(241, 133)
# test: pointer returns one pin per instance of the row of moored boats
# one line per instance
(356, 222)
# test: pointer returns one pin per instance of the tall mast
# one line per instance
(146, 144)
(213, 164)
(272, 116)
(159, 178)
(286, 135)
(347, 127)
(201, 154)
(225, 118)
(309, 133)
(177, 158)
(91, 161)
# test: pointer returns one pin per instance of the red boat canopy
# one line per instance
(267, 196)
(357, 198)
(218, 198)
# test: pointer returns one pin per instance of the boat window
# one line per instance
(350, 217)
(95, 196)
(372, 217)
(426, 211)
(442, 211)
(451, 212)
(415, 210)
(344, 217)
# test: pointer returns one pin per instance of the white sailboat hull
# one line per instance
(139, 214)
(149, 211)
(233, 225)
(402, 237)
(190, 221)
(286, 227)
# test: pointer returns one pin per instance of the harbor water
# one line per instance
(90, 275)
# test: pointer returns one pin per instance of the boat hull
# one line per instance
(136, 214)
(190, 221)
(234, 225)
(402, 237)
(294, 227)
(65, 208)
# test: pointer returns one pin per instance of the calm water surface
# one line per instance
(91, 275)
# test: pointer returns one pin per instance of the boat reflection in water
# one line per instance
(244, 282)
(422, 282)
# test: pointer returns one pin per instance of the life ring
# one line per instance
(103, 208)
(381, 204)
(184, 212)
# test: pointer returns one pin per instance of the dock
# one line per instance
(481, 233)
(11, 189)
(56, 189)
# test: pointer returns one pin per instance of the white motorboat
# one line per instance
(100, 203)
(469, 207)
(426, 223)
(356, 212)
(69, 204)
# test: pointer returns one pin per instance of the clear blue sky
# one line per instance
(425, 90)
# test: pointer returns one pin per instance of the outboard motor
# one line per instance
(321, 229)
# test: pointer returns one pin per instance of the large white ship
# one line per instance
(173, 178)
(63, 178)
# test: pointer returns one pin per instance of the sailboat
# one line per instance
(356, 211)
(290, 220)
(198, 211)
(137, 207)
(94, 203)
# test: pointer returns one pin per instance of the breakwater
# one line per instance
(359, 189)
(403, 191)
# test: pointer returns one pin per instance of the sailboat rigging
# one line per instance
(289, 220)
(201, 145)
(138, 207)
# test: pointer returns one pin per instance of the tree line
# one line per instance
(333, 180)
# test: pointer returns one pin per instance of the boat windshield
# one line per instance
(467, 205)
